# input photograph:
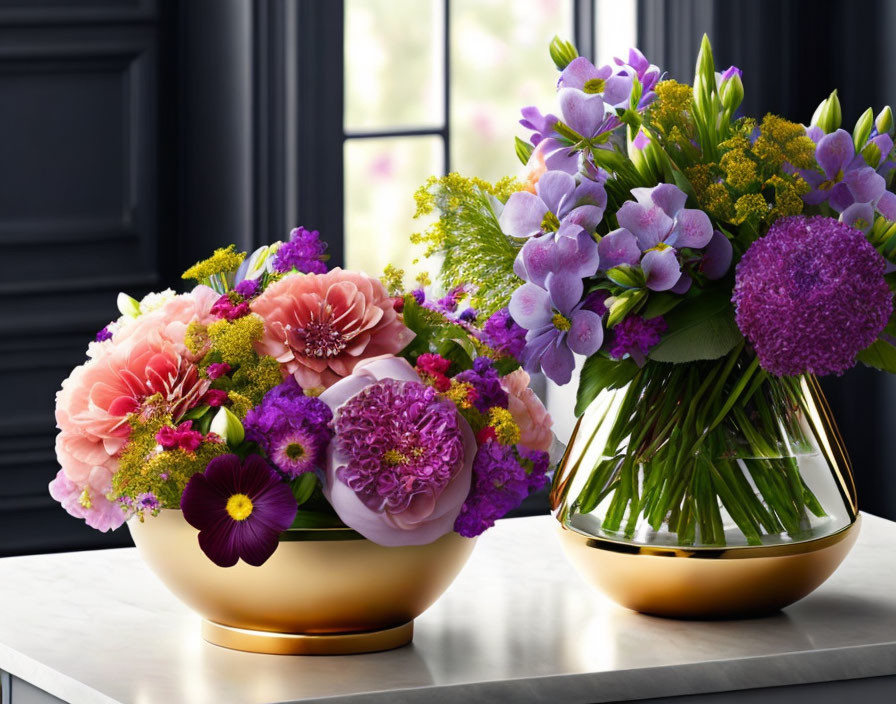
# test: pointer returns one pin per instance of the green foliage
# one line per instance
(880, 355)
(468, 238)
(702, 327)
(599, 373)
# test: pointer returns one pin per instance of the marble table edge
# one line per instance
(48, 679)
(863, 661)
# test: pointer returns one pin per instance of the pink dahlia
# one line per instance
(400, 466)
(319, 326)
(528, 412)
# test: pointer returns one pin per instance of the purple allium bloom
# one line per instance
(239, 509)
(503, 335)
(635, 336)
(810, 296)
(656, 225)
(558, 202)
(304, 252)
(104, 334)
(558, 323)
(401, 441)
(485, 380)
(248, 288)
(292, 429)
(500, 483)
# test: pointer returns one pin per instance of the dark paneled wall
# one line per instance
(793, 54)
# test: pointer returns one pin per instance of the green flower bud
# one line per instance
(228, 427)
(562, 53)
(884, 121)
(732, 93)
(828, 115)
(862, 130)
(871, 154)
(129, 307)
(623, 304)
(704, 78)
(626, 276)
(523, 150)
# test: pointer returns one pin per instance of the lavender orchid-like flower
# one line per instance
(557, 202)
(648, 75)
(583, 75)
(585, 122)
(559, 323)
(654, 228)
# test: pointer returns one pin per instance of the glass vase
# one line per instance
(716, 460)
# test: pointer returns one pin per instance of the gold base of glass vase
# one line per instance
(325, 591)
(307, 644)
(706, 583)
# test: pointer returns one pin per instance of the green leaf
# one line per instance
(303, 487)
(523, 150)
(196, 413)
(660, 304)
(316, 519)
(881, 355)
(626, 276)
(599, 373)
(702, 327)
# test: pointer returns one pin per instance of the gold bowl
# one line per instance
(707, 583)
(323, 591)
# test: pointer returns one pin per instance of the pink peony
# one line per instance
(528, 412)
(145, 356)
(319, 326)
(400, 466)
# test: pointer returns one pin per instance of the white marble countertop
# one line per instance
(518, 625)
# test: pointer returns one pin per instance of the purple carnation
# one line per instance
(500, 483)
(247, 288)
(636, 336)
(484, 379)
(401, 441)
(292, 429)
(503, 335)
(304, 252)
(810, 296)
(104, 334)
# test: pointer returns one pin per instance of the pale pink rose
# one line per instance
(319, 326)
(528, 412)
(415, 501)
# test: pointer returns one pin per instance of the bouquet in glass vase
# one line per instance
(708, 266)
(304, 456)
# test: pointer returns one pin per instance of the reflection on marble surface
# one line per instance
(517, 624)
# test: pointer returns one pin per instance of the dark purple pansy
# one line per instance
(240, 508)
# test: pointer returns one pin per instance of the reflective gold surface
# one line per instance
(705, 583)
(362, 594)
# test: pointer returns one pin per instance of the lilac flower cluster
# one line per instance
(654, 228)
(304, 251)
(852, 187)
(502, 477)
(484, 379)
(810, 296)
(503, 335)
(635, 336)
(292, 429)
(402, 442)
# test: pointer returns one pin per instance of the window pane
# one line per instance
(499, 64)
(381, 176)
(615, 29)
(394, 64)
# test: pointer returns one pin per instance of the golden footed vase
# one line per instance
(706, 490)
(323, 592)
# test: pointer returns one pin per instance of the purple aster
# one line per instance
(248, 288)
(467, 316)
(500, 483)
(304, 252)
(557, 202)
(419, 295)
(104, 334)
(240, 508)
(503, 335)
(810, 296)
(559, 324)
(483, 377)
(635, 336)
(292, 429)
(401, 440)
